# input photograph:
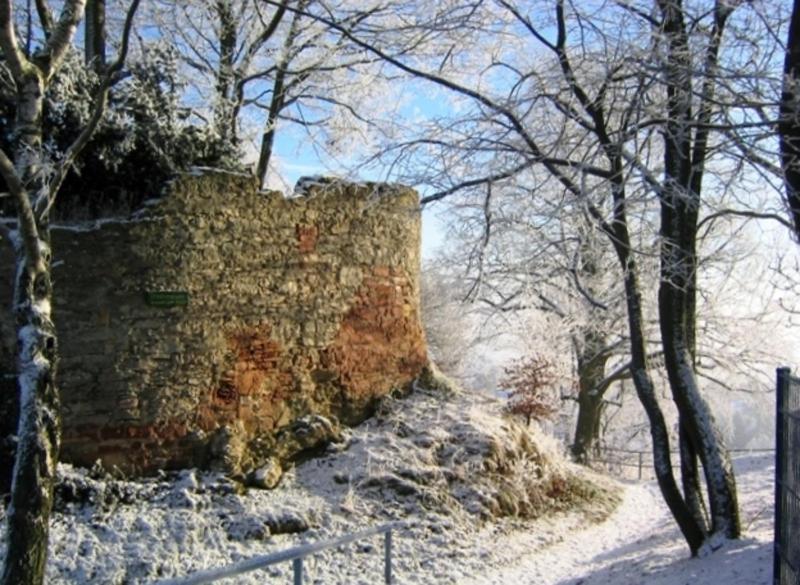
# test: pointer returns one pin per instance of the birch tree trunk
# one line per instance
(37, 348)
(39, 419)
(39, 408)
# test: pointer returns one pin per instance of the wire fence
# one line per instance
(638, 465)
(787, 480)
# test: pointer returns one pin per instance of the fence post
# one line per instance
(297, 566)
(781, 388)
(387, 553)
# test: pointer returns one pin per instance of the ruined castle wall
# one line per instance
(292, 306)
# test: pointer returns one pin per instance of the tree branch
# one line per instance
(61, 37)
(27, 221)
(14, 57)
(265, 35)
(744, 213)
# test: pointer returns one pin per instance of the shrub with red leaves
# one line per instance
(531, 383)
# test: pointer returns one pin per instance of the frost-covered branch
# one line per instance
(14, 57)
(60, 39)
(19, 193)
(45, 17)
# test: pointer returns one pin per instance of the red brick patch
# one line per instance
(378, 346)
(307, 236)
(256, 380)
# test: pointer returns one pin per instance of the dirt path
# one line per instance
(562, 551)
(640, 544)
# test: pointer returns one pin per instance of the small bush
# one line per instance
(532, 385)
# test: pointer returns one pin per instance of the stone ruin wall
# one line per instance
(299, 306)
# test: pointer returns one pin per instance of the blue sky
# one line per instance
(296, 157)
(296, 164)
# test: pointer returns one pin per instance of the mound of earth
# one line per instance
(456, 454)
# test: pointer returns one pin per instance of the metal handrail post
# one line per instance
(387, 552)
(297, 567)
(781, 393)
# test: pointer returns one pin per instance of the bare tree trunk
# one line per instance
(684, 161)
(39, 407)
(590, 408)
(789, 127)
(591, 351)
(9, 415)
(39, 424)
(645, 390)
(225, 115)
(695, 416)
(592, 361)
(698, 424)
(270, 127)
(662, 465)
(278, 99)
(94, 45)
(690, 479)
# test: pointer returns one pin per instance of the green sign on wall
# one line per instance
(166, 298)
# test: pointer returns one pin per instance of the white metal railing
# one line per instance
(296, 555)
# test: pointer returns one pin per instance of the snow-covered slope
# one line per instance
(448, 464)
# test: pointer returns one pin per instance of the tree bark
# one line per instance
(278, 100)
(94, 45)
(695, 417)
(684, 160)
(270, 127)
(592, 361)
(645, 390)
(619, 236)
(690, 479)
(789, 126)
(590, 408)
(39, 424)
(39, 408)
(225, 111)
(9, 415)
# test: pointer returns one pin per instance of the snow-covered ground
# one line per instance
(446, 464)
(641, 544)
(439, 465)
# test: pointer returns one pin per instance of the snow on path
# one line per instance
(641, 544)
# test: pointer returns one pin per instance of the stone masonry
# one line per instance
(292, 307)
